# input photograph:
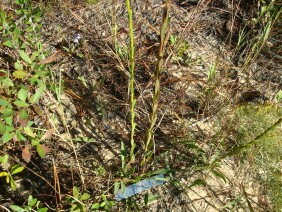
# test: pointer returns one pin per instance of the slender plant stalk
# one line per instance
(158, 71)
(251, 143)
(131, 83)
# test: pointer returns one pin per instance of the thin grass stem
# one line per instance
(131, 82)
(155, 101)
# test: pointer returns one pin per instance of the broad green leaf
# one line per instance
(8, 113)
(38, 94)
(29, 132)
(7, 136)
(85, 196)
(17, 208)
(37, 17)
(12, 183)
(9, 121)
(31, 201)
(20, 103)
(19, 74)
(95, 206)
(20, 136)
(9, 43)
(25, 57)
(18, 65)
(4, 159)
(75, 192)
(2, 128)
(23, 114)
(35, 142)
(22, 94)
(4, 103)
(102, 204)
(7, 82)
(17, 169)
(40, 150)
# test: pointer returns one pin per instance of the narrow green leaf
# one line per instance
(19, 74)
(7, 137)
(17, 208)
(25, 57)
(12, 183)
(95, 206)
(20, 103)
(42, 210)
(9, 122)
(35, 98)
(161, 171)
(17, 169)
(219, 174)
(9, 44)
(198, 182)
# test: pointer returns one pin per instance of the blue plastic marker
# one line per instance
(143, 185)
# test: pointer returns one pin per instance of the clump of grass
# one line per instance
(264, 123)
(258, 140)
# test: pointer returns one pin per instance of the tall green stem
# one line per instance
(131, 83)
(157, 89)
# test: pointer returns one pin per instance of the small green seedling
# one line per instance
(77, 200)
(9, 174)
(104, 205)
(172, 40)
(32, 205)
